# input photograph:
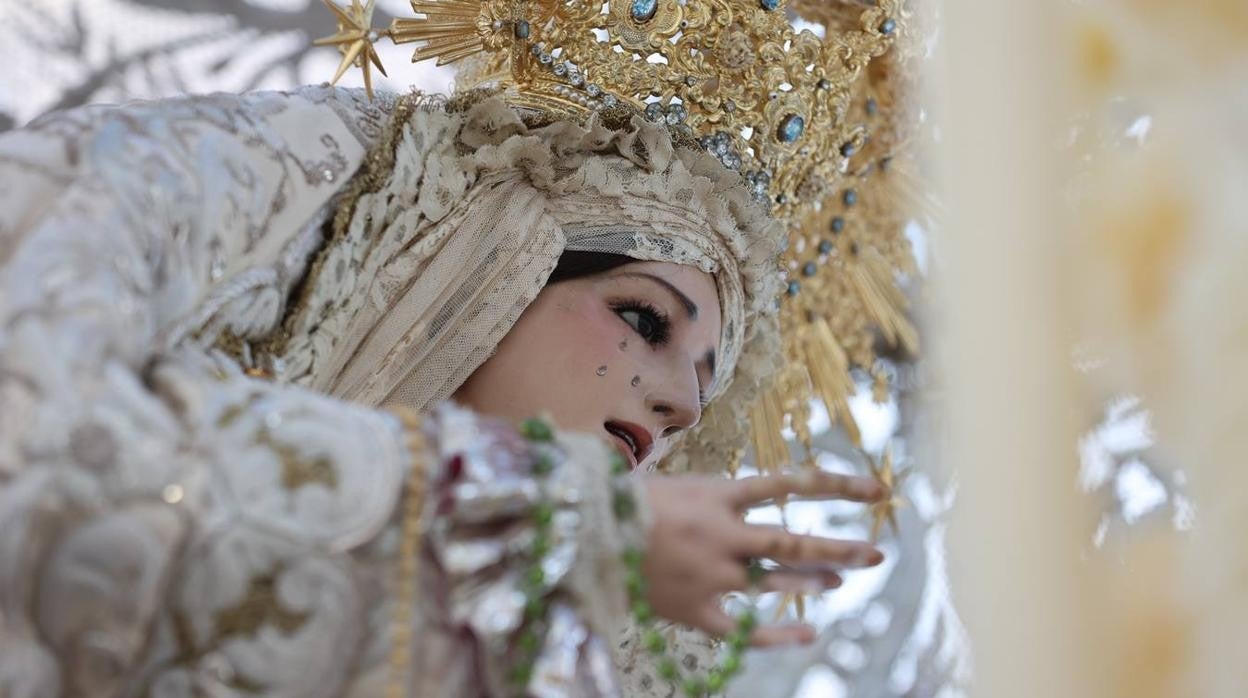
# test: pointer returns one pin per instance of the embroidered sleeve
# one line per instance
(173, 526)
(170, 522)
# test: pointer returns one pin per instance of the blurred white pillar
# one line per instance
(1020, 527)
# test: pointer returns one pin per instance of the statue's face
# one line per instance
(626, 354)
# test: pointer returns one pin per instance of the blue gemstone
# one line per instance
(791, 128)
(809, 269)
(769, 5)
(643, 10)
(838, 224)
(521, 29)
(793, 288)
(888, 26)
(851, 197)
(825, 247)
(848, 149)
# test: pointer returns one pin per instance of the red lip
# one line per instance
(633, 441)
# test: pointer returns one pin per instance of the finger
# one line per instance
(780, 635)
(720, 624)
(715, 622)
(732, 576)
(804, 568)
(788, 582)
(812, 484)
(795, 549)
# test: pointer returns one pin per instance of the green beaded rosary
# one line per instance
(538, 432)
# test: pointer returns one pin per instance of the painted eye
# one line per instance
(644, 323)
(649, 323)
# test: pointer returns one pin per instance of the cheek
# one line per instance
(552, 361)
(604, 330)
(583, 332)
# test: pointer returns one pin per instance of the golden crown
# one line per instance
(765, 96)
(784, 91)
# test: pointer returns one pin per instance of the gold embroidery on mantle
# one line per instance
(298, 470)
(258, 608)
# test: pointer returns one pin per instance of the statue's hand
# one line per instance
(699, 547)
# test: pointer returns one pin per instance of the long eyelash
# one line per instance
(662, 325)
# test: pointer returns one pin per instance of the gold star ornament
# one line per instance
(886, 509)
(355, 39)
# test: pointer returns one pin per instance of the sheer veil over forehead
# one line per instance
(461, 214)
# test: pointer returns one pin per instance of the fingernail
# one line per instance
(867, 558)
(812, 586)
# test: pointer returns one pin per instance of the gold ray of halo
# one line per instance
(885, 510)
(355, 39)
(448, 30)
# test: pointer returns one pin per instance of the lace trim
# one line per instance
(432, 170)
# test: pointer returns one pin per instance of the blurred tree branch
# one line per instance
(311, 20)
(248, 22)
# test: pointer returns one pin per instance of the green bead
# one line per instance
(535, 576)
(632, 558)
(654, 641)
(747, 622)
(636, 584)
(536, 430)
(667, 670)
(543, 465)
(715, 681)
(534, 607)
(642, 611)
(736, 640)
(619, 465)
(541, 545)
(755, 572)
(543, 513)
(625, 507)
(521, 674)
(731, 664)
(695, 687)
(529, 641)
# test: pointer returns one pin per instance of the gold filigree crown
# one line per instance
(787, 92)
(763, 92)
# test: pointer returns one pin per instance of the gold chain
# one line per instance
(409, 552)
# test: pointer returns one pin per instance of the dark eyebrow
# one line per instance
(690, 306)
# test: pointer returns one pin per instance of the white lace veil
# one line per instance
(448, 241)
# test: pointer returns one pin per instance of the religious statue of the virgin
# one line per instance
(338, 393)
